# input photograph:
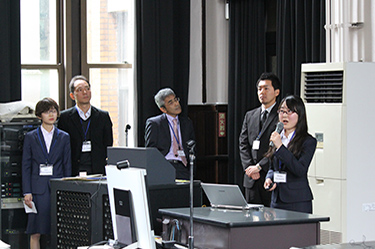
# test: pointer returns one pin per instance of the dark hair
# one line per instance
(45, 105)
(295, 104)
(74, 79)
(276, 84)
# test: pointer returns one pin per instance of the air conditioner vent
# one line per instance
(323, 87)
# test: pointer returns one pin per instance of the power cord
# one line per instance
(363, 244)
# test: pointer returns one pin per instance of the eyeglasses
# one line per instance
(172, 101)
(287, 112)
(81, 89)
(51, 111)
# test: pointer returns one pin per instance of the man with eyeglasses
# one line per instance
(254, 139)
(170, 131)
(90, 129)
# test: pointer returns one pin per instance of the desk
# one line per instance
(244, 229)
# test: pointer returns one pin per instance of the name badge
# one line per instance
(45, 169)
(86, 146)
(279, 177)
(180, 153)
(256, 144)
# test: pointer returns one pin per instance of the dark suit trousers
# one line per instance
(257, 194)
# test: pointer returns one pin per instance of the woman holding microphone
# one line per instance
(290, 157)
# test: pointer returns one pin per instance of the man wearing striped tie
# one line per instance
(170, 131)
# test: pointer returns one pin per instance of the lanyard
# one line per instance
(258, 137)
(88, 125)
(174, 134)
(46, 154)
(87, 128)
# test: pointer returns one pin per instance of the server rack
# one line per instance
(12, 214)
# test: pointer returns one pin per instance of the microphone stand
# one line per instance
(191, 147)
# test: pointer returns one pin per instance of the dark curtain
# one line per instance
(163, 37)
(10, 55)
(247, 60)
(300, 39)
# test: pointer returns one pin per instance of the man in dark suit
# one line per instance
(254, 141)
(169, 132)
(90, 130)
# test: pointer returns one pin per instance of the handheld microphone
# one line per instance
(279, 128)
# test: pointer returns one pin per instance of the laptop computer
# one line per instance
(227, 196)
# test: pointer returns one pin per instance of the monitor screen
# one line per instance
(124, 216)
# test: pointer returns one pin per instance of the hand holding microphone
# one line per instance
(275, 136)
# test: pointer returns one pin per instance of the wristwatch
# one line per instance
(258, 167)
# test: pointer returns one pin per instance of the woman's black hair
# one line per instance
(45, 105)
(295, 104)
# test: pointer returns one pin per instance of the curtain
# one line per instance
(247, 61)
(10, 46)
(162, 54)
(300, 39)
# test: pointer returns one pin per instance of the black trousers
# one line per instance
(257, 194)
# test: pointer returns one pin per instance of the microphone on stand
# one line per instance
(279, 128)
(127, 128)
(191, 146)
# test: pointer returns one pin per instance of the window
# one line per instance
(107, 59)
(107, 56)
(41, 50)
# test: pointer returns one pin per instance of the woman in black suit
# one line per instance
(291, 156)
(46, 155)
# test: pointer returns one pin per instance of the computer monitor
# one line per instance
(129, 207)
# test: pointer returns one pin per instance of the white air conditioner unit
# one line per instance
(340, 103)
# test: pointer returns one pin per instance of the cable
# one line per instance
(362, 244)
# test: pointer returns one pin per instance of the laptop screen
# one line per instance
(224, 194)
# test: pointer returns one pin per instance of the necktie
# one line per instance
(263, 119)
(175, 144)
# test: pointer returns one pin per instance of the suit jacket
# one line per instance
(100, 132)
(297, 188)
(250, 131)
(157, 133)
(34, 154)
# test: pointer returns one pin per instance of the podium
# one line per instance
(159, 170)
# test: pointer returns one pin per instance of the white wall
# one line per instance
(360, 149)
(216, 53)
